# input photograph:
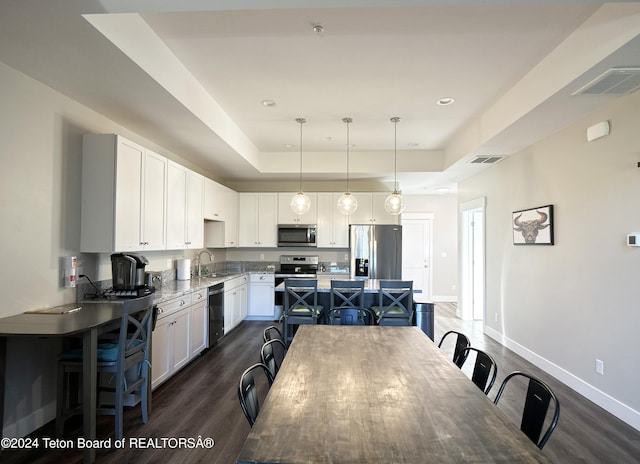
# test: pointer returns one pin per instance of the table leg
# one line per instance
(89, 389)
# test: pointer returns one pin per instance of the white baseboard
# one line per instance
(32, 422)
(605, 401)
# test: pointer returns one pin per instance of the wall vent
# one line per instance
(615, 81)
(485, 159)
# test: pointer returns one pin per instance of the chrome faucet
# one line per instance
(199, 260)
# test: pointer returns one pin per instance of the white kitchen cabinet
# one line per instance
(123, 196)
(261, 304)
(257, 225)
(371, 210)
(231, 221)
(224, 234)
(333, 226)
(235, 302)
(154, 200)
(199, 322)
(171, 345)
(287, 216)
(185, 223)
(214, 200)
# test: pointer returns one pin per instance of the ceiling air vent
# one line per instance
(615, 81)
(485, 159)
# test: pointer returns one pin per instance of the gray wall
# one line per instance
(563, 306)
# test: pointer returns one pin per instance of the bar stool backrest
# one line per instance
(349, 293)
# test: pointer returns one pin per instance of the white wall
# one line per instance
(445, 241)
(563, 306)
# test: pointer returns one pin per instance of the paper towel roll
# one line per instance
(184, 269)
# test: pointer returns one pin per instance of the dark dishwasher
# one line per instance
(216, 314)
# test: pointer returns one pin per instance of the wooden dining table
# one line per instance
(370, 394)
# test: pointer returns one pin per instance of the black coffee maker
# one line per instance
(128, 271)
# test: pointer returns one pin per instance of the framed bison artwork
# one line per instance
(533, 226)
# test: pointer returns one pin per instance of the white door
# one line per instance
(472, 272)
(416, 252)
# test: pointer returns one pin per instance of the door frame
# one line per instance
(427, 218)
(470, 282)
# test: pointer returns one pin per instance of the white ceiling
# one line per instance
(191, 76)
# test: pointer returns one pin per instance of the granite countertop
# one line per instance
(175, 288)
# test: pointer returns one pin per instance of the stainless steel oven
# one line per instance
(294, 266)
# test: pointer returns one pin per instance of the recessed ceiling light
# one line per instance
(268, 103)
(445, 101)
(441, 190)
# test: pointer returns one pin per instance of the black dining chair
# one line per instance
(395, 302)
(248, 391)
(300, 305)
(485, 368)
(538, 398)
(350, 316)
(125, 359)
(272, 354)
(271, 333)
(462, 342)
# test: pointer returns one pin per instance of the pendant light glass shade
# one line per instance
(300, 203)
(347, 203)
(394, 204)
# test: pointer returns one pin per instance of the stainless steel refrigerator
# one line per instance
(376, 251)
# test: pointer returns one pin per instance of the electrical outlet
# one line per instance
(496, 317)
(346, 256)
(261, 256)
(599, 367)
(169, 264)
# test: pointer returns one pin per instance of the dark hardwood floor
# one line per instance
(201, 401)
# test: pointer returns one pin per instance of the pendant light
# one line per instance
(300, 203)
(347, 203)
(394, 204)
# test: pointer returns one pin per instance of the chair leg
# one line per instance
(61, 396)
(144, 392)
(118, 408)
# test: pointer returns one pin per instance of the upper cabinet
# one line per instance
(224, 234)
(123, 196)
(371, 210)
(258, 219)
(333, 226)
(185, 223)
(286, 216)
(214, 200)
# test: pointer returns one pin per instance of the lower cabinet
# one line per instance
(180, 334)
(199, 323)
(261, 297)
(235, 302)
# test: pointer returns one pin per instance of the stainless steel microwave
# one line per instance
(297, 235)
